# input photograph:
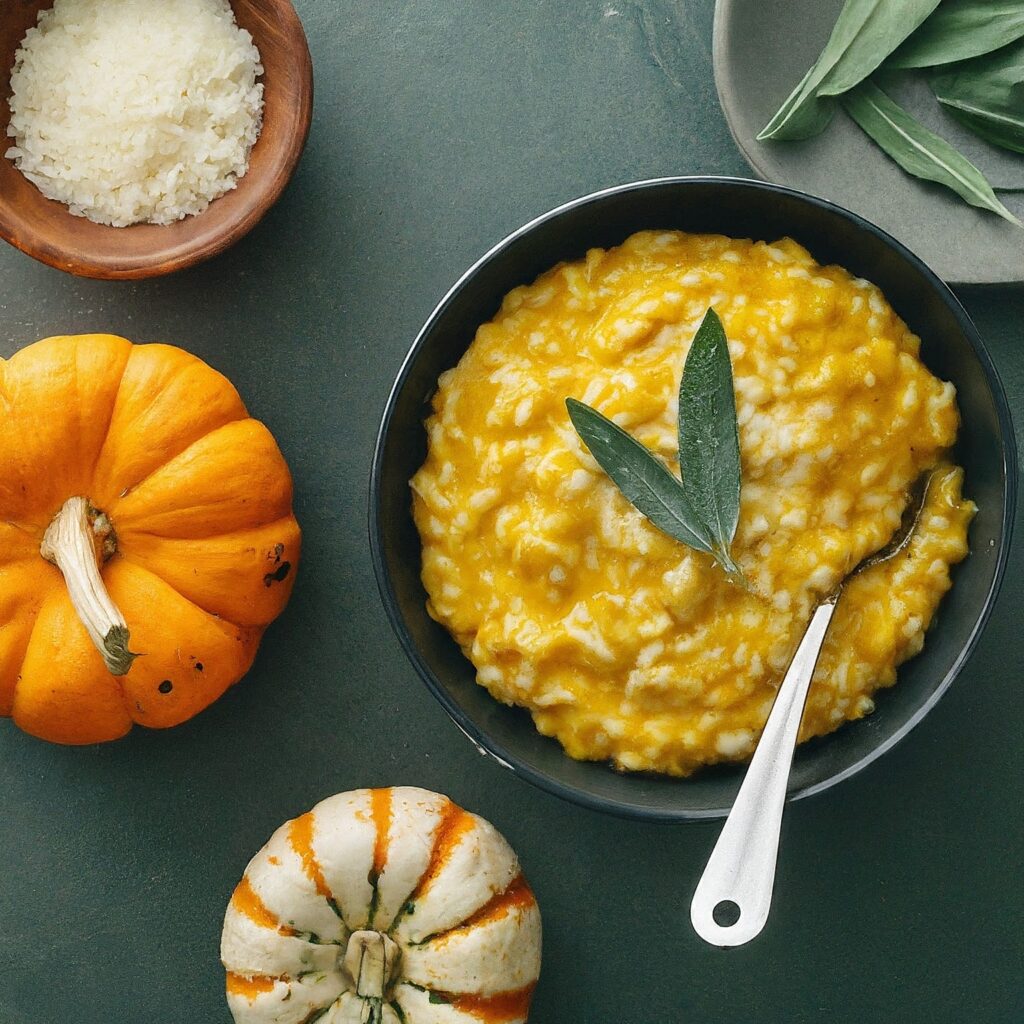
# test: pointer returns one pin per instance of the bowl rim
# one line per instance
(483, 742)
(182, 255)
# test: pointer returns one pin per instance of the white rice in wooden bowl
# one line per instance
(134, 111)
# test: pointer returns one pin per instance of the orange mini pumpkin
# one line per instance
(146, 537)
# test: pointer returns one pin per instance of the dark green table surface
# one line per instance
(440, 125)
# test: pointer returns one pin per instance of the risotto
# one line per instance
(621, 642)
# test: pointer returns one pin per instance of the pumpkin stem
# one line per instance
(76, 541)
(372, 960)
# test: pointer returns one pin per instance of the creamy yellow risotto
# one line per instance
(623, 643)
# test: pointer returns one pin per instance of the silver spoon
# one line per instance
(737, 883)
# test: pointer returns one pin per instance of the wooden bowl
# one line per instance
(46, 230)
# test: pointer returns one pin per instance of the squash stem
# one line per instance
(77, 539)
(372, 960)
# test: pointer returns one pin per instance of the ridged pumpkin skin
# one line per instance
(400, 869)
(200, 501)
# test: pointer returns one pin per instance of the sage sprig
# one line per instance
(975, 49)
(919, 151)
(701, 509)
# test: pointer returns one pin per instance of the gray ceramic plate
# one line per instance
(762, 50)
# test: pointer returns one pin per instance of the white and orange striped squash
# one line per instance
(390, 906)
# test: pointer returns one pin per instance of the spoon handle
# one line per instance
(741, 869)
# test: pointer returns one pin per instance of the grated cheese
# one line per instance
(134, 111)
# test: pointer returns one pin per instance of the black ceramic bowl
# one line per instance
(950, 347)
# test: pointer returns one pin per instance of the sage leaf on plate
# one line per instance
(643, 479)
(987, 94)
(960, 29)
(866, 32)
(1004, 133)
(702, 509)
(918, 150)
(802, 114)
(888, 25)
(709, 444)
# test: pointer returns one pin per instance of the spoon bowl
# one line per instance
(904, 533)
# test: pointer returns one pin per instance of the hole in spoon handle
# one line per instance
(726, 914)
(728, 918)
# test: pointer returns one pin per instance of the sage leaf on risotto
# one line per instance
(644, 481)
(703, 508)
(709, 444)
